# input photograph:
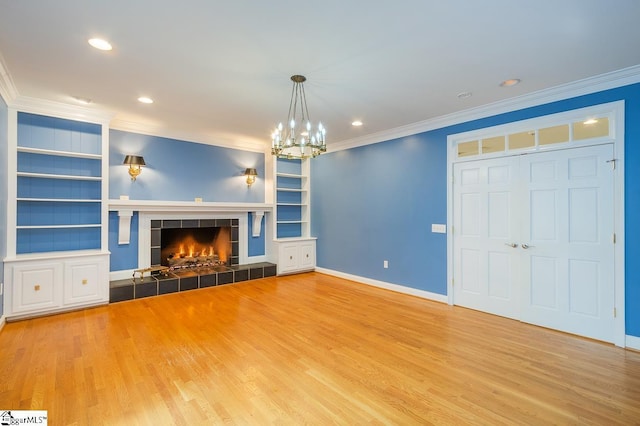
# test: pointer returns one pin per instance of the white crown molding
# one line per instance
(8, 90)
(60, 110)
(159, 131)
(13, 99)
(586, 86)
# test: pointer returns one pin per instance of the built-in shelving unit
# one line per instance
(59, 191)
(292, 199)
(295, 246)
(57, 255)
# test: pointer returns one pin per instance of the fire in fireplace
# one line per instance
(186, 248)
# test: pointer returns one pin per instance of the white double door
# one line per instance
(533, 239)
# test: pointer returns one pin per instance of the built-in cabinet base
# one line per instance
(39, 285)
(296, 255)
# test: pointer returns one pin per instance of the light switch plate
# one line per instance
(438, 228)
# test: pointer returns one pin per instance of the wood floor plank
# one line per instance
(309, 349)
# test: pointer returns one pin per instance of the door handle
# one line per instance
(512, 245)
(525, 246)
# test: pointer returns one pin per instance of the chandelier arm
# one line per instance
(291, 106)
(303, 107)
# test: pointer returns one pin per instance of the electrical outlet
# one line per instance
(385, 264)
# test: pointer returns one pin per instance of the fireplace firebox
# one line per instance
(194, 243)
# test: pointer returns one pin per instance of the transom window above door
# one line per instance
(541, 135)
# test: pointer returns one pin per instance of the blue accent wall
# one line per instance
(182, 171)
(378, 202)
(256, 244)
(123, 256)
(4, 143)
(178, 171)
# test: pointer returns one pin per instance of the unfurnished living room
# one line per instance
(409, 212)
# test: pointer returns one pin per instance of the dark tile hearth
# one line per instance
(129, 289)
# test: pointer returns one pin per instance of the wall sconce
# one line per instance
(251, 174)
(134, 162)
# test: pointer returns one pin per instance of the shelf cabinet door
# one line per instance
(288, 258)
(308, 255)
(35, 287)
(85, 281)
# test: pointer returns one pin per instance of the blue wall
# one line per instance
(123, 256)
(182, 171)
(378, 202)
(178, 171)
(4, 143)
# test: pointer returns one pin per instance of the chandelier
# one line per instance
(297, 140)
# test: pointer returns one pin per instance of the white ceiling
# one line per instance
(219, 71)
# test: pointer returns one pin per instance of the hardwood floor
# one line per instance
(309, 349)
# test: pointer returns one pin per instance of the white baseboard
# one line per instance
(126, 274)
(389, 286)
(632, 342)
(3, 321)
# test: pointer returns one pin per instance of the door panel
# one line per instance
(557, 206)
(568, 267)
(484, 225)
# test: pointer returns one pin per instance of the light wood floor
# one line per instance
(309, 349)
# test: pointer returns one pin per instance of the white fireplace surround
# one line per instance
(175, 210)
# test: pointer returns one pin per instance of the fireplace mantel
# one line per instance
(186, 206)
(125, 209)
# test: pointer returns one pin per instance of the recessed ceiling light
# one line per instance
(145, 100)
(464, 95)
(100, 44)
(510, 82)
(356, 123)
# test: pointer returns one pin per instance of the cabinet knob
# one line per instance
(307, 256)
(36, 287)
(290, 257)
(85, 281)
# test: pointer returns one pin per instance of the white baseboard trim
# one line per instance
(121, 275)
(632, 342)
(3, 321)
(257, 259)
(388, 286)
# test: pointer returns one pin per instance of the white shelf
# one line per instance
(54, 176)
(280, 222)
(292, 204)
(59, 153)
(61, 200)
(290, 175)
(90, 225)
(291, 190)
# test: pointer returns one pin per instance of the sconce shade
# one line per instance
(251, 174)
(134, 162)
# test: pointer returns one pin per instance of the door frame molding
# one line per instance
(615, 112)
